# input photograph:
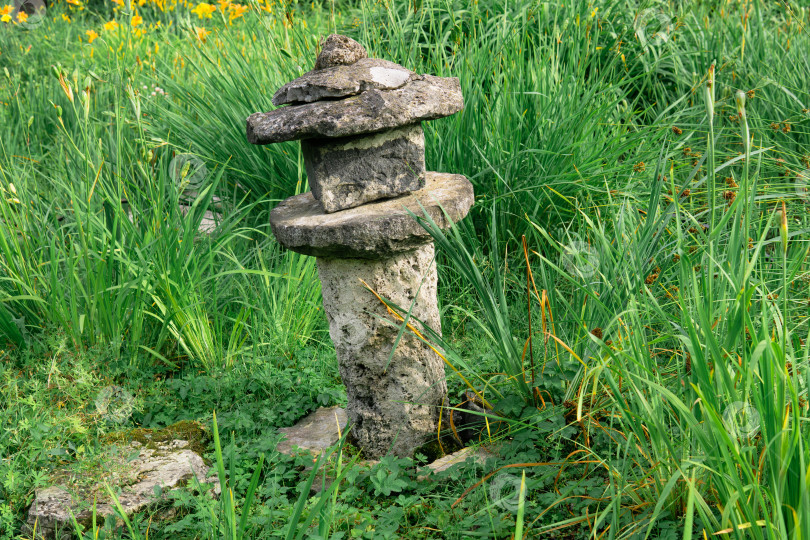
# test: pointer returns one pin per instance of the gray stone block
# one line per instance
(375, 230)
(344, 173)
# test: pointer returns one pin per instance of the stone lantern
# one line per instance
(359, 122)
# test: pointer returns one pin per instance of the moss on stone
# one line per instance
(194, 432)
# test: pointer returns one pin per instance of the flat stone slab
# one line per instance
(139, 472)
(373, 231)
(424, 97)
(347, 172)
(316, 432)
(478, 453)
(343, 81)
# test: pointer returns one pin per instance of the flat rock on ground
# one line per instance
(375, 230)
(478, 453)
(316, 432)
(140, 475)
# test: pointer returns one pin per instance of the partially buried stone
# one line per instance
(423, 97)
(344, 173)
(140, 476)
(315, 433)
(339, 50)
(375, 230)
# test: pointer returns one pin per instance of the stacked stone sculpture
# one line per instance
(359, 122)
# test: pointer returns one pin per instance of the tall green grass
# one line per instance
(690, 336)
(97, 243)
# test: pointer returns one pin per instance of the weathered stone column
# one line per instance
(360, 124)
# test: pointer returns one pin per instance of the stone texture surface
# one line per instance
(343, 81)
(347, 172)
(375, 230)
(339, 50)
(316, 432)
(477, 453)
(424, 97)
(393, 407)
(167, 466)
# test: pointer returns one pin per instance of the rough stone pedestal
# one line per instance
(393, 405)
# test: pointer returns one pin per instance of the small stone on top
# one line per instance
(337, 50)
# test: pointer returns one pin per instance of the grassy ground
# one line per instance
(631, 292)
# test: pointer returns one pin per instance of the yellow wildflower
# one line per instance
(204, 10)
(137, 20)
(22, 16)
(109, 26)
(237, 10)
(6, 10)
(65, 17)
(76, 3)
(224, 5)
(5, 18)
(91, 35)
(201, 33)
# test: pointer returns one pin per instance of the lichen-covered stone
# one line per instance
(393, 400)
(423, 97)
(315, 433)
(339, 50)
(344, 173)
(478, 454)
(140, 475)
(343, 81)
(374, 230)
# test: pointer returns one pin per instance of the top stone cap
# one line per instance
(350, 94)
(337, 50)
